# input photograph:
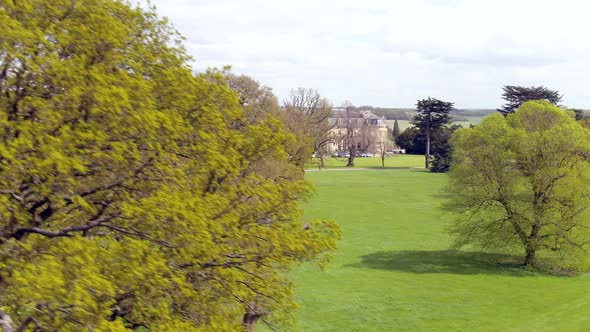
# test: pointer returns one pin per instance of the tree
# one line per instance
(133, 193)
(518, 95)
(350, 141)
(579, 114)
(522, 182)
(384, 146)
(442, 150)
(257, 100)
(396, 132)
(432, 114)
(411, 140)
(316, 112)
(259, 103)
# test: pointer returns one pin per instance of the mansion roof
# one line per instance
(354, 114)
(356, 118)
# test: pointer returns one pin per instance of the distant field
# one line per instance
(403, 124)
(395, 161)
(393, 270)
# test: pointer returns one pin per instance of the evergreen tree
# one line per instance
(432, 115)
(518, 95)
(396, 132)
(442, 149)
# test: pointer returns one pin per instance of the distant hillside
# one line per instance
(408, 113)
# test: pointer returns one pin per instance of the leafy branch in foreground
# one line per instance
(132, 192)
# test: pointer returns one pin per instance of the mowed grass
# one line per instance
(393, 270)
(395, 161)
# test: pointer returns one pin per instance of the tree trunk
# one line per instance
(5, 322)
(351, 150)
(250, 317)
(531, 246)
(530, 258)
(382, 161)
(322, 161)
(350, 161)
(427, 152)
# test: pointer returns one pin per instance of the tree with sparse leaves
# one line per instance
(432, 115)
(518, 95)
(307, 109)
(135, 195)
(522, 182)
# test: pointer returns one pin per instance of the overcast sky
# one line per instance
(391, 53)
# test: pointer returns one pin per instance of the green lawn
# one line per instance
(395, 161)
(393, 270)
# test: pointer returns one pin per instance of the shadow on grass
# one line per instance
(444, 261)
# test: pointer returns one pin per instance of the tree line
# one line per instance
(432, 125)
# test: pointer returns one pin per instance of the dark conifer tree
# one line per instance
(518, 95)
(432, 115)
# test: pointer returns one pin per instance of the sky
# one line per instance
(392, 53)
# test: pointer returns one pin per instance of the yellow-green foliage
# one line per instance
(132, 192)
(523, 181)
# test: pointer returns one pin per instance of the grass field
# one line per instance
(395, 161)
(393, 270)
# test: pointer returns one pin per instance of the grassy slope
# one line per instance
(392, 271)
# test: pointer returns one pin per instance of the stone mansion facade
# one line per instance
(370, 131)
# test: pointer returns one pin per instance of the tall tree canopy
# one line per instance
(518, 95)
(133, 193)
(522, 182)
(432, 115)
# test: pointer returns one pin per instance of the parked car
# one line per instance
(342, 154)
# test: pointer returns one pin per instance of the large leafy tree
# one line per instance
(133, 193)
(259, 103)
(432, 115)
(518, 95)
(411, 140)
(523, 182)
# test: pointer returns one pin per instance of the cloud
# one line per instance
(390, 53)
